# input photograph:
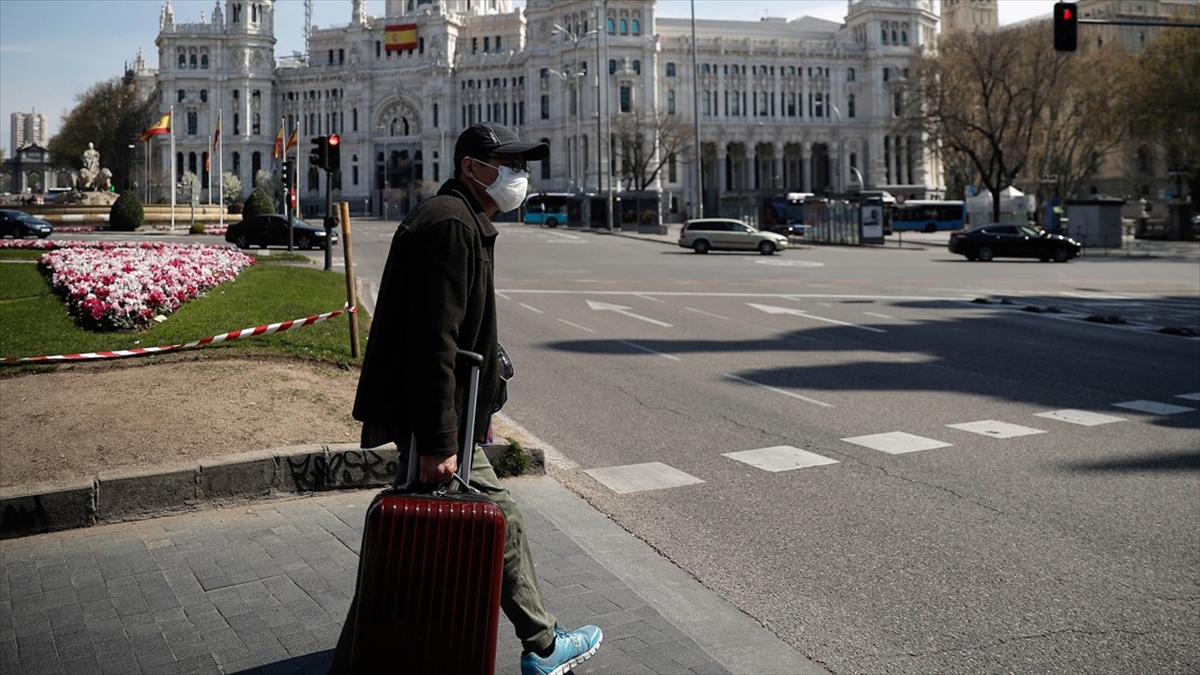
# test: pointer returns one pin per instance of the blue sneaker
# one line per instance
(570, 649)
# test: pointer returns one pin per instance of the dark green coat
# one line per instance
(437, 296)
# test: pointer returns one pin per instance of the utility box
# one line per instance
(1095, 221)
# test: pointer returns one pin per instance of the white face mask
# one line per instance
(509, 189)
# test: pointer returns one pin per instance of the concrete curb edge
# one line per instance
(137, 494)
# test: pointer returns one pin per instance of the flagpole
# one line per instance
(282, 161)
(208, 169)
(220, 170)
(171, 122)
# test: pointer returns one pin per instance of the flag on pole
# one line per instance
(163, 126)
(400, 37)
(279, 142)
(293, 140)
(217, 135)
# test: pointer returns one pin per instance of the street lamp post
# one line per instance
(841, 180)
(576, 167)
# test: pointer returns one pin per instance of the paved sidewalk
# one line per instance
(264, 587)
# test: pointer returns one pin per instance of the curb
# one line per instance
(138, 494)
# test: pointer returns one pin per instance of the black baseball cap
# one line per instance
(487, 139)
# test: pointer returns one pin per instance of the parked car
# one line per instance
(18, 225)
(272, 230)
(705, 234)
(1008, 240)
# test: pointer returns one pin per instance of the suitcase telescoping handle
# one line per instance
(468, 449)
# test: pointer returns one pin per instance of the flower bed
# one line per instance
(112, 286)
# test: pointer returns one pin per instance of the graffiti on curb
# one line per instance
(352, 468)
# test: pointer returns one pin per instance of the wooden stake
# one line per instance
(351, 293)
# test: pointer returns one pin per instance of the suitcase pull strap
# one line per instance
(463, 475)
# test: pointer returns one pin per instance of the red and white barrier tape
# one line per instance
(141, 351)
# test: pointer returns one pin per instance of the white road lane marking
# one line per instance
(780, 391)
(531, 308)
(779, 458)
(1080, 417)
(1192, 397)
(897, 442)
(1154, 407)
(624, 311)
(771, 309)
(996, 429)
(575, 325)
(641, 477)
(700, 311)
(647, 349)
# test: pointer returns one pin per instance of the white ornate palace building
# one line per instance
(805, 105)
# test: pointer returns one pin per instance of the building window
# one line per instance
(498, 48)
(204, 96)
(626, 98)
(237, 163)
(670, 101)
(182, 95)
(612, 66)
(624, 27)
(182, 60)
(887, 74)
(705, 103)
(612, 27)
(256, 126)
(545, 107)
(637, 27)
(897, 105)
(670, 70)
(850, 105)
(192, 122)
(487, 45)
(849, 74)
(637, 66)
(193, 62)
(204, 61)
(237, 123)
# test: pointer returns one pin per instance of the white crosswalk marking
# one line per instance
(641, 477)
(897, 442)
(1193, 397)
(996, 429)
(1154, 407)
(1081, 417)
(779, 458)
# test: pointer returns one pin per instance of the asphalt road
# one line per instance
(844, 443)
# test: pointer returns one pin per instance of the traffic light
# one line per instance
(1066, 26)
(319, 155)
(287, 173)
(333, 154)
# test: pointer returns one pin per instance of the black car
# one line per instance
(18, 224)
(272, 230)
(1008, 240)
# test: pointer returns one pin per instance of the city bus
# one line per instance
(923, 215)
(783, 214)
(547, 209)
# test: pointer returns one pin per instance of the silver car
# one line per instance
(705, 234)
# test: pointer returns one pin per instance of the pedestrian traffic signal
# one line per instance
(333, 154)
(319, 155)
(1066, 26)
(287, 172)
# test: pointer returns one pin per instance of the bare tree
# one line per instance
(1164, 100)
(645, 142)
(1084, 121)
(980, 99)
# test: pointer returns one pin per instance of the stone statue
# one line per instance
(91, 168)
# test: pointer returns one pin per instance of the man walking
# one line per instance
(437, 297)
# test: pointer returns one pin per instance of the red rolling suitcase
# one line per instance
(429, 591)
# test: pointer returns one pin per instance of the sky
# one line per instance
(52, 51)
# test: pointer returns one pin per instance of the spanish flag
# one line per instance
(162, 127)
(217, 136)
(279, 141)
(400, 37)
(293, 140)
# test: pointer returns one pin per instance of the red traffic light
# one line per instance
(1066, 27)
(334, 140)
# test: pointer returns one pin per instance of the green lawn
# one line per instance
(34, 322)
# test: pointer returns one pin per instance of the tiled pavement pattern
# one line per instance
(264, 587)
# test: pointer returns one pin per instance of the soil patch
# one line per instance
(81, 419)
